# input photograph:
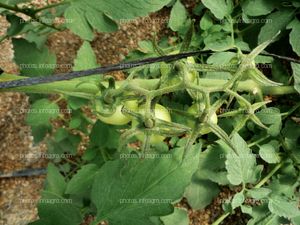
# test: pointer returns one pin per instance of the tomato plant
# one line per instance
(214, 104)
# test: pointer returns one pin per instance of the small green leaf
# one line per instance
(78, 23)
(271, 116)
(41, 112)
(278, 21)
(237, 200)
(294, 35)
(259, 193)
(85, 16)
(100, 21)
(55, 182)
(246, 209)
(242, 167)
(220, 8)
(103, 135)
(76, 103)
(31, 60)
(179, 216)
(75, 122)
(16, 25)
(200, 193)
(178, 16)
(212, 164)
(86, 58)
(218, 41)
(82, 181)
(258, 7)
(284, 185)
(128, 9)
(268, 153)
(296, 75)
(206, 21)
(64, 212)
(282, 207)
(61, 134)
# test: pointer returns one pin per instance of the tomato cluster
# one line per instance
(160, 112)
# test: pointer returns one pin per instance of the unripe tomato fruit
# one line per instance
(194, 111)
(118, 118)
(160, 112)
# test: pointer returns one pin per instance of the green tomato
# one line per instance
(194, 111)
(118, 118)
(160, 112)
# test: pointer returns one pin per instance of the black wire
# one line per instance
(113, 68)
(100, 70)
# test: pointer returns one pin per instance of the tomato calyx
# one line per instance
(150, 125)
(202, 117)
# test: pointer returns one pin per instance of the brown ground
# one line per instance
(15, 136)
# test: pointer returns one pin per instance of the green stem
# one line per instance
(29, 13)
(269, 175)
(221, 218)
(291, 111)
(13, 8)
(258, 141)
(143, 85)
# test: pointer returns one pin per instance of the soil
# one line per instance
(18, 196)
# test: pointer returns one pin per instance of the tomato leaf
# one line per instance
(59, 211)
(259, 193)
(296, 75)
(31, 60)
(200, 193)
(179, 216)
(220, 8)
(283, 207)
(268, 153)
(55, 182)
(137, 189)
(294, 35)
(41, 112)
(178, 16)
(82, 181)
(86, 16)
(258, 7)
(279, 20)
(86, 58)
(237, 200)
(241, 168)
(212, 164)
(104, 135)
